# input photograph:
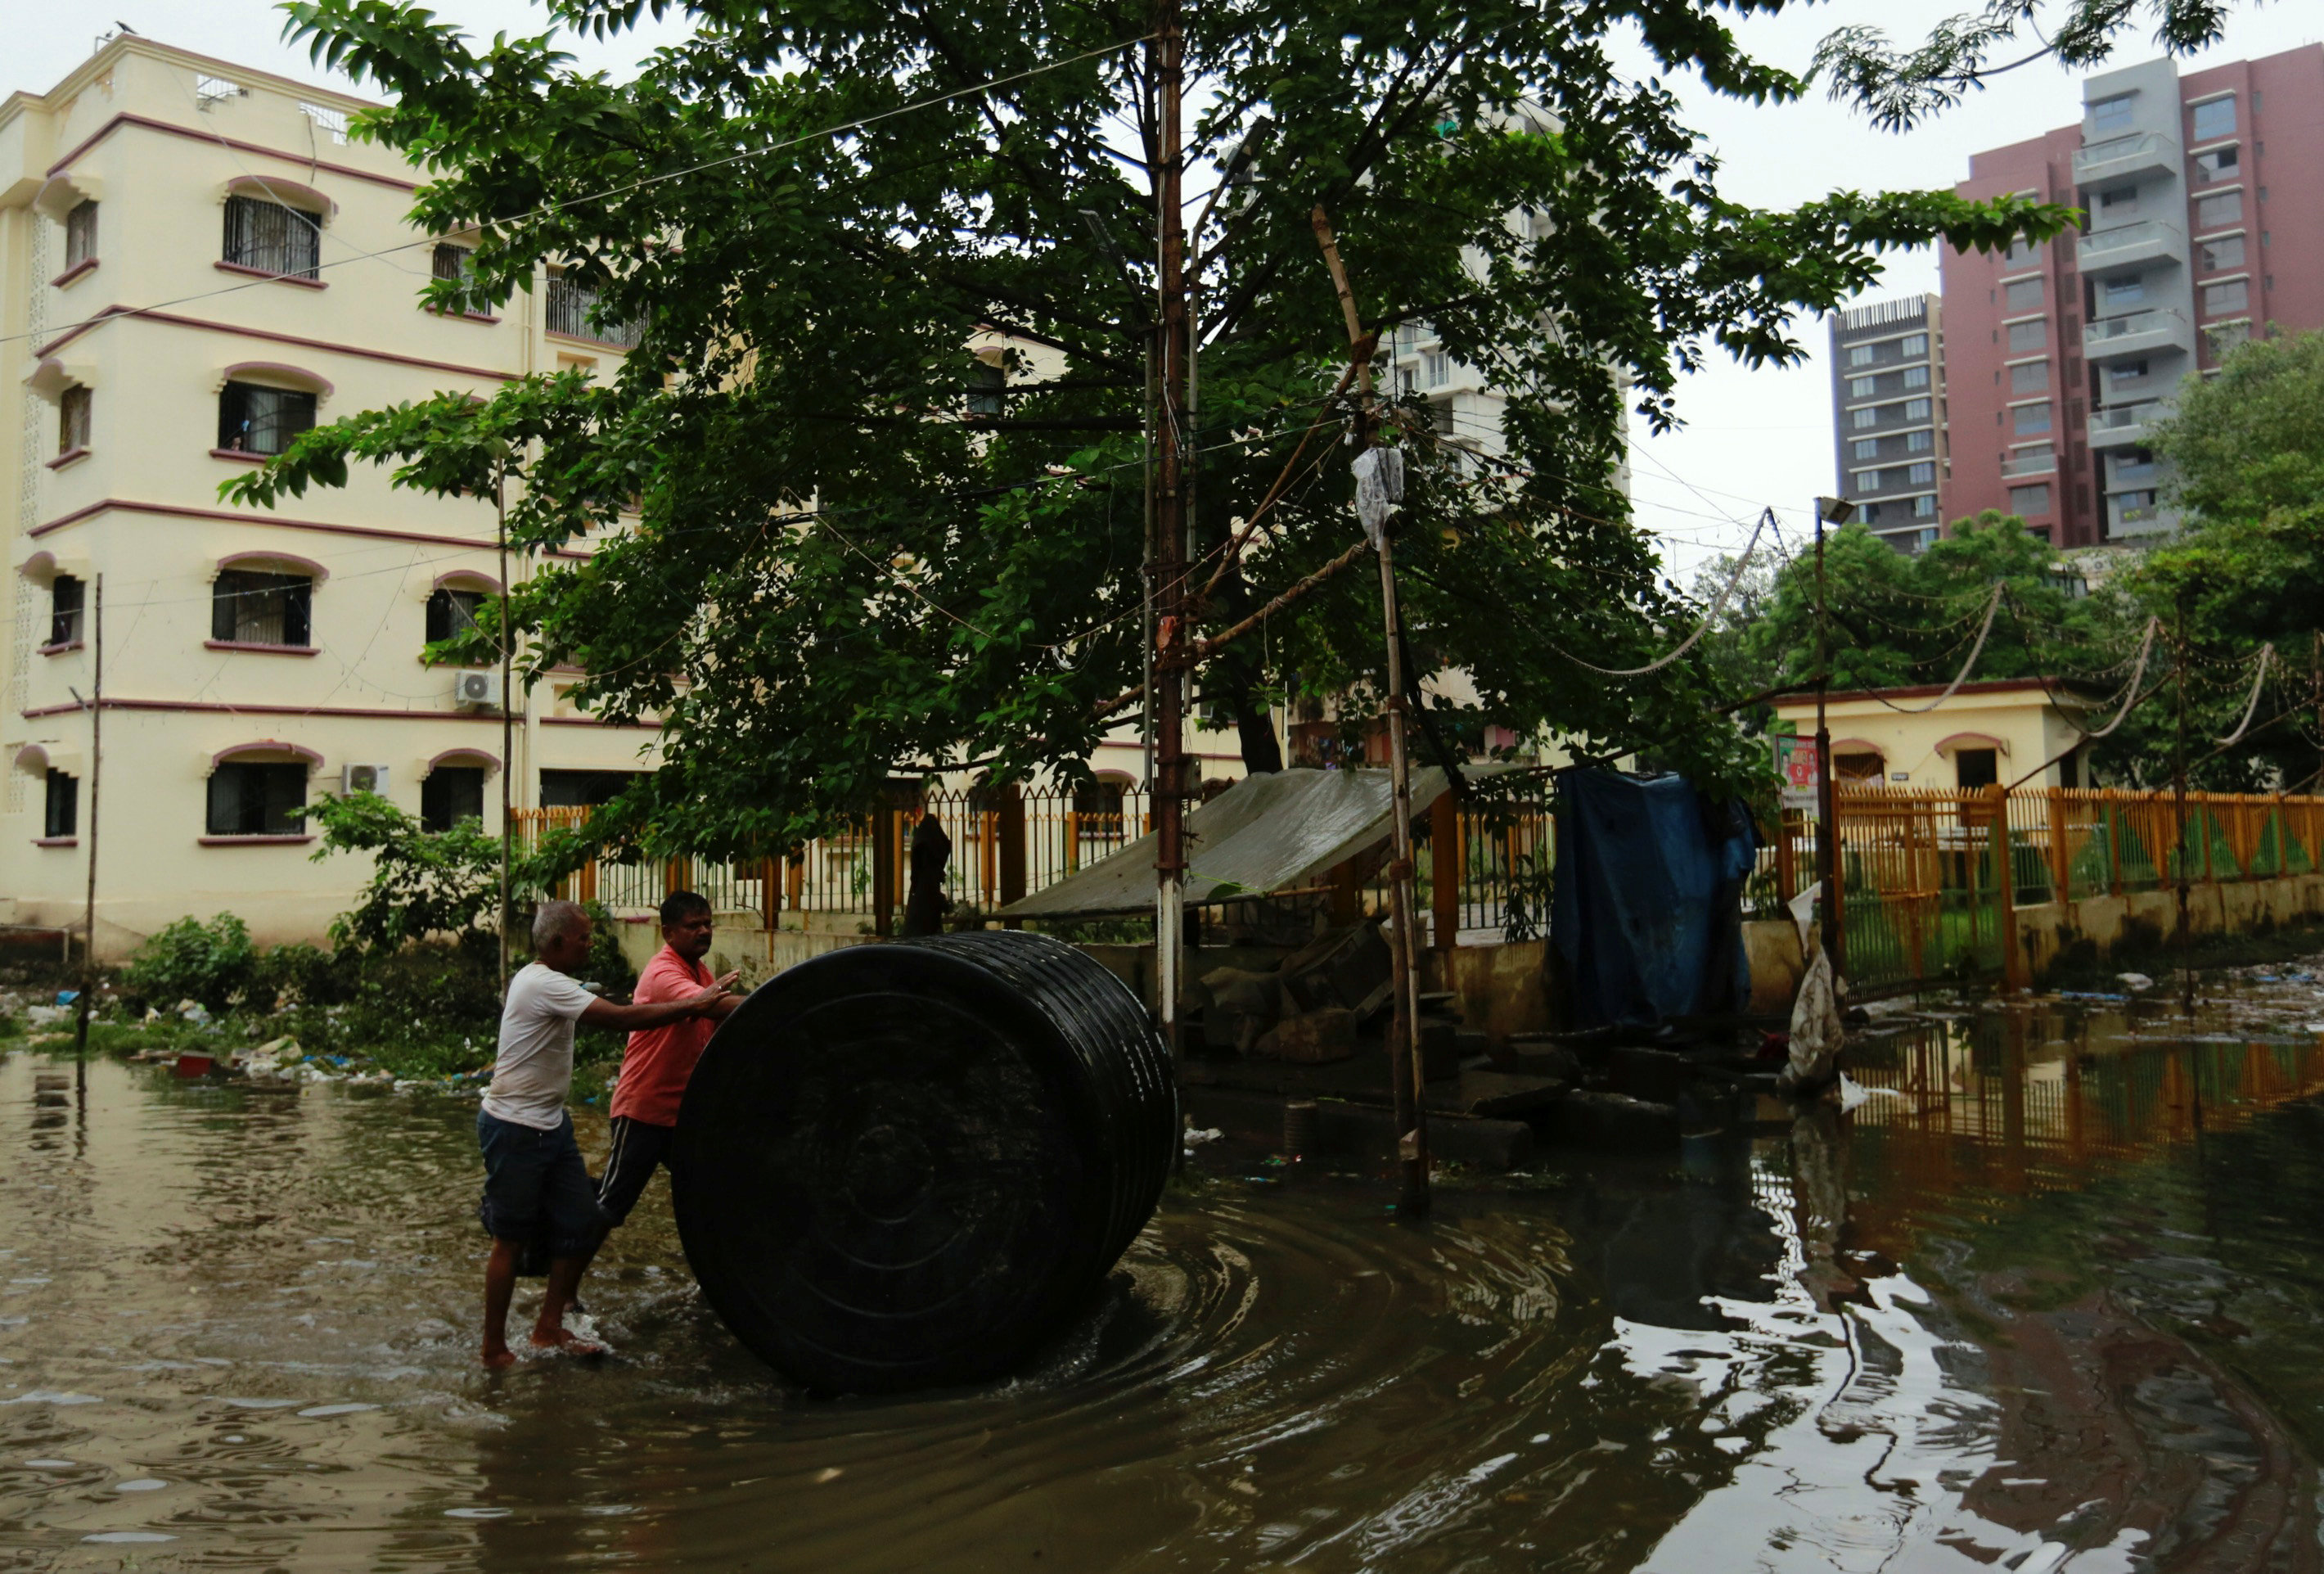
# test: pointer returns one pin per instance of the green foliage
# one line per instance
(881, 579)
(214, 963)
(2248, 444)
(424, 884)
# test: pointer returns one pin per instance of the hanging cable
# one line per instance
(1976, 651)
(2266, 654)
(1710, 615)
(2145, 648)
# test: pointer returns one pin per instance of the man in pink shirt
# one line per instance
(659, 1059)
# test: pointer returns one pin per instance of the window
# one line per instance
(1862, 387)
(2030, 419)
(1097, 809)
(1865, 447)
(2030, 377)
(73, 420)
(1857, 768)
(1860, 354)
(1867, 480)
(2218, 164)
(2227, 298)
(2118, 197)
(62, 818)
(2025, 501)
(2025, 337)
(67, 597)
(571, 306)
(2127, 501)
(332, 122)
(80, 234)
(1920, 442)
(1977, 768)
(1436, 367)
(2021, 252)
(2127, 371)
(452, 612)
(2110, 114)
(2219, 256)
(1860, 419)
(1921, 474)
(1926, 506)
(449, 794)
(1916, 410)
(2024, 295)
(452, 263)
(254, 419)
(255, 798)
(2214, 119)
(2120, 294)
(987, 388)
(1916, 345)
(2226, 338)
(272, 238)
(581, 789)
(2218, 209)
(1916, 376)
(249, 607)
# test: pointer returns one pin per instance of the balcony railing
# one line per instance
(2125, 417)
(2131, 476)
(2147, 232)
(2113, 328)
(2029, 465)
(2138, 144)
(570, 306)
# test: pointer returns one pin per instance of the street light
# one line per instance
(1828, 510)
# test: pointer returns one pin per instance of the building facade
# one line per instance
(195, 264)
(1888, 401)
(2204, 196)
(1985, 734)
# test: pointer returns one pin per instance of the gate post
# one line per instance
(2061, 863)
(883, 865)
(1011, 839)
(1444, 874)
(2015, 974)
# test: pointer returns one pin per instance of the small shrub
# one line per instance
(214, 963)
(301, 974)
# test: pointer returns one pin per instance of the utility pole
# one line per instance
(2179, 809)
(1837, 511)
(1408, 1074)
(1169, 542)
(508, 723)
(89, 907)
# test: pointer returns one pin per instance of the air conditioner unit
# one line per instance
(363, 779)
(477, 688)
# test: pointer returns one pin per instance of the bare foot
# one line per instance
(566, 1341)
(499, 1360)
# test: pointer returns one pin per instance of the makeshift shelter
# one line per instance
(1281, 831)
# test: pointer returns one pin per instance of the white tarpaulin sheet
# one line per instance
(1281, 831)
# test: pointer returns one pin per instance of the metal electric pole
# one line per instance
(1169, 542)
(1828, 510)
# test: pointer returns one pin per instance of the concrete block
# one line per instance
(1312, 1038)
(1613, 1120)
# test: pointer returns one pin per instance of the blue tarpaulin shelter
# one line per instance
(1646, 911)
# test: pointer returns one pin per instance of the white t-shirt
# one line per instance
(534, 1070)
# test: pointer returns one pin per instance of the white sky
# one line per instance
(1751, 438)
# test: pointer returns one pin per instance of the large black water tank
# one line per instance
(909, 1164)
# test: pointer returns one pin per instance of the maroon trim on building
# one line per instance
(262, 650)
(74, 274)
(591, 721)
(276, 190)
(368, 531)
(484, 318)
(262, 745)
(240, 456)
(254, 841)
(111, 312)
(455, 757)
(67, 458)
(58, 650)
(587, 341)
(313, 383)
(213, 139)
(1952, 741)
(207, 706)
(56, 841)
(225, 267)
(1918, 691)
(482, 579)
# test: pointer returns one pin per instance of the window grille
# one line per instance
(272, 238)
(257, 419)
(250, 607)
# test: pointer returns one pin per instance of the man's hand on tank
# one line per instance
(703, 1000)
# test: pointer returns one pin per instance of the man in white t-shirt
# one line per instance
(533, 1166)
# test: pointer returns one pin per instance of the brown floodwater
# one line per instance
(2049, 1299)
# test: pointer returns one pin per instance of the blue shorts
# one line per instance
(537, 1190)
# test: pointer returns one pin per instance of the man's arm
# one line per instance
(660, 1014)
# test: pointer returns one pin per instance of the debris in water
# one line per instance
(2136, 983)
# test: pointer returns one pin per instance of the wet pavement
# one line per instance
(2047, 1300)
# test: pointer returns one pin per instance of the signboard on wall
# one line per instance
(1795, 763)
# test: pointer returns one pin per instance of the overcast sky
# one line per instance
(1751, 438)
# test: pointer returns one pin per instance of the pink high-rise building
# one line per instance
(2205, 202)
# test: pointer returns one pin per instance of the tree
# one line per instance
(853, 557)
(424, 884)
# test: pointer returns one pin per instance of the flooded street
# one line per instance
(2048, 1300)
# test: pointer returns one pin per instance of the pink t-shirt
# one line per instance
(658, 1060)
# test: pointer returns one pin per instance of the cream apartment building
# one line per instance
(195, 264)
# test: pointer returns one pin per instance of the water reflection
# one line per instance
(2048, 1299)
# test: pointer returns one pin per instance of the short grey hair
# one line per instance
(554, 919)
